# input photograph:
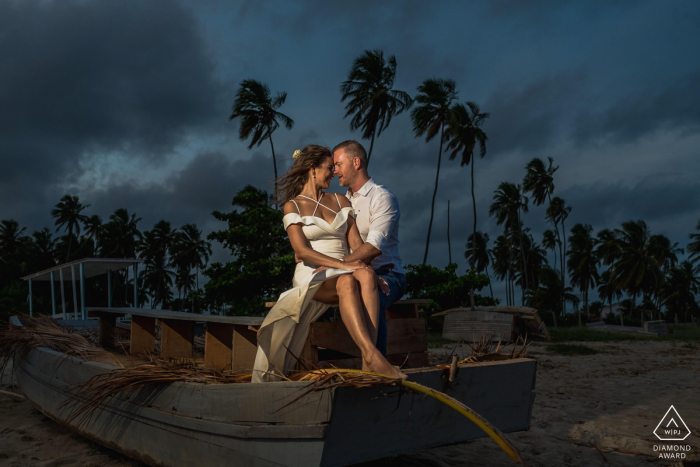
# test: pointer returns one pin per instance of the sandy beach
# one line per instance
(592, 410)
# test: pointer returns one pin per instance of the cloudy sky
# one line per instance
(126, 104)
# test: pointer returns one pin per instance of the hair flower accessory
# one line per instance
(296, 154)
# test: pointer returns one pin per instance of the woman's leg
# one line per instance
(370, 299)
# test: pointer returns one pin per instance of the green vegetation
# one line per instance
(570, 349)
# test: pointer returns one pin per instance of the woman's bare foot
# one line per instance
(376, 363)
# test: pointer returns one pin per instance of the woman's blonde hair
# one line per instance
(290, 184)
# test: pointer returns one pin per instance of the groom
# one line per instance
(377, 217)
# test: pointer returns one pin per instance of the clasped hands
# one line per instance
(355, 265)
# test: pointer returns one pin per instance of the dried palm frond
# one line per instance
(44, 331)
(485, 349)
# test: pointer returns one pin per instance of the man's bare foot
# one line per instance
(376, 363)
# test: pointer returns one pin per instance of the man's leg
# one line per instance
(397, 287)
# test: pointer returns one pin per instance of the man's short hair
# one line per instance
(353, 149)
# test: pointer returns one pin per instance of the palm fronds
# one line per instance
(44, 331)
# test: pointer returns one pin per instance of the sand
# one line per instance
(612, 400)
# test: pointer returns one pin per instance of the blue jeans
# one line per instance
(397, 287)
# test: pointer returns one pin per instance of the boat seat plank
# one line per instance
(177, 339)
(179, 315)
(218, 346)
(143, 335)
(245, 347)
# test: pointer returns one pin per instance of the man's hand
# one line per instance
(383, 286)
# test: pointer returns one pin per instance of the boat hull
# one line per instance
(185, 424)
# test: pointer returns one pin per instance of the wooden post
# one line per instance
(109, 289)
(53, 296)
(75, 293)
(245, 347)
(143, 335)
(82, 291)
(108, 322)
(136, 285)
(218, 346)
(63, 298)
(176, 338)
(31, 303)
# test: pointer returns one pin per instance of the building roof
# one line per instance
(93, 267)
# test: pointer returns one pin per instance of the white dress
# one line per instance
(284, 332)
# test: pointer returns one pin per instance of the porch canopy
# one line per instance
(78, 271)
(91, 266)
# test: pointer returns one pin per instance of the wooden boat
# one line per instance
(266, 424)
(500, 323)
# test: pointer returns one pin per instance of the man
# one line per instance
(377, 217)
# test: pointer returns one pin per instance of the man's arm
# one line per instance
(366, 253)
(384, 212)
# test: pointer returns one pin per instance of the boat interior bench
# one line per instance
(329, 343)
(230, 341)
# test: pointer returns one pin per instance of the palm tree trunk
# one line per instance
(70, 241)
(432, 205)
(274, 161)
(522, 254)
(449, 245)
(474, 206)
(487, 275)
(563, 264)
(371, 145)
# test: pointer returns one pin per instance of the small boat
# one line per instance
(498, 323)
(265, 424)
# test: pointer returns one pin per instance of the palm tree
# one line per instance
(637, 269)
(429, 117)
(550, 240)
(259, 115)
(508, 201)
(608, 289)
(501, 260)
(191, 250)
(556, 213)
(11, 238)
(582, 262)
(539, 181)
(42, 249)
(464, 133)
(477, 254)
(680, 289)
(68, 214)
(372, 101)
(551, 293)
(694, 246)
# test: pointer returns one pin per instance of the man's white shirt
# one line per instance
(377, 216)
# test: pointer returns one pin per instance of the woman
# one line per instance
(320, 227)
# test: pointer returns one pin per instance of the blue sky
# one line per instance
(126, 104)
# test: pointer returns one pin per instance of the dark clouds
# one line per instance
(83, 78)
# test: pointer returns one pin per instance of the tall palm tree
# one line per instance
(582, 262)
(191, 250)
(539, 182)
(372, 100)
(550, 240)
(42, 249)
(464, 134)
(637, 268)
(477, 254)
(551, 292)
(694, 246)
(68, 214)
(429, 117)
(608, 289)
(556, 213)
(508, 202)
(259, 115)
(501, 260)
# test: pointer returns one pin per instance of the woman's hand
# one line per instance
(354, 265)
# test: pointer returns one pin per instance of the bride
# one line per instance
(320, 227)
